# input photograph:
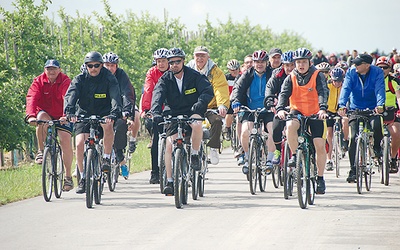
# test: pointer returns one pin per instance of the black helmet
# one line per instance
(302, 53)
(93, 57)
(176, 52)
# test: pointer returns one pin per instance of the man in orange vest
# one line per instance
(307, 91)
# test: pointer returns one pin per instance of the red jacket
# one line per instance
(152, 76)
(47, 97)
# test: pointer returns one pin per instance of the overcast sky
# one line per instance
(330, 25)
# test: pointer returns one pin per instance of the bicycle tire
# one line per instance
(129, 163)
(194, 175)
(178, 177)
(336, 152)
(89, 176)
(58, 173)
(204, 169)
(253, 166)
(262, 159)
(276, 176)
(359, 161)
(185, 179)
(233, 137)
(98, 186)
(161, 163)
(47, 174)
(386, 161)
(302, 187)
(286, 176)
(312, 182)
(111, 177)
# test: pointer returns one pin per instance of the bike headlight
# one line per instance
(254, 131)
(300, 139)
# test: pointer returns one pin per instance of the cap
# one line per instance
(274, 51)
(201, 49)
(319, 51)
(363, 58)
(52, 63)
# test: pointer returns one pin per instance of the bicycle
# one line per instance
(384, 168)
(337, 153)
(203, 154)
(128, 154)
(257, 152)
(94, 178)
(182, 172)
(305, 165)
(52, 165)
(364, 149)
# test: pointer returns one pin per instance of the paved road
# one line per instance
(137, 216)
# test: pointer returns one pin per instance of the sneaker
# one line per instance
(226, 133)
(214, 156)
(106, 165)
(329, 166)
(269, 168)
(132, 146)
(393, 166)
(68, 184)
(245, 168)
(345, 147)
(320, 186)
(292, 161)
(352, 176)
(195, 162)
(240, 160)
(277, 157)
(169, 189)
(81, 189)
(154, 179)
(124, 171)
(238, 152)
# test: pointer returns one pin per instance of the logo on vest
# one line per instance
(100, 96)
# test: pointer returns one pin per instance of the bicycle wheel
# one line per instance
(253, 166)
(302, 188)
(178, 178)
(47, 174)
(161, 163)
(58, 173)
(98, 185)
(204, 169)
(359, 162)
(112, 177)
(129, 163)
(90, 164)
(312, 180)
(262, 160)
(233, 137)
(287, 177)
(336, 153)
(194, 177)
(185, 181)
(386, 161)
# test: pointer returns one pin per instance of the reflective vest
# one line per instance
(305, 98)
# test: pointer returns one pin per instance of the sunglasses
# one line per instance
(383, 67)
(174, 62)
(97, 65)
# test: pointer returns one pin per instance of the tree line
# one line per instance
(30, 37)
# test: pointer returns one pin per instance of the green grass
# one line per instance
(25, 181)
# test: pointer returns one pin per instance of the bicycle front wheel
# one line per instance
(178, 178)
(253, 166)
(287, 177)
(302, 187)
(58, 173)
(161, 163)
(386, 161)
(336, 153)
(262, 159)
(112, 177)
(359, 162)
(47, 174)
(91, 162)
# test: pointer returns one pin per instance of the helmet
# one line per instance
(93, 56)
(233, 64)
(160, 53)
(302, 53)
(337, 74)
(383, 60)
(287, 57)
(324, 66)
(176, 52)
(260, 55)
(342, 64)
(396, 67)
(83, 68)
(111, 57)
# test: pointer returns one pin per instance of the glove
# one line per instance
(236, 105)
(269, 103)
(157, 119)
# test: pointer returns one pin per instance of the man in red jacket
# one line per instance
(44, 101)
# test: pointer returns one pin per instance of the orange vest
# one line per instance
(305, 98)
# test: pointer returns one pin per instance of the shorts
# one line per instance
(247, 116)
(84, 128)
(330, 122)
(172, 128)
(389, 116)
(316, 127)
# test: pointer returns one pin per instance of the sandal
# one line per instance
(68, 184)
(39, 157)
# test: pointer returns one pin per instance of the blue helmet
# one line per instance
(337, 74)
(287, 57)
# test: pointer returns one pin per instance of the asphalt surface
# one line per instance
(138, 216)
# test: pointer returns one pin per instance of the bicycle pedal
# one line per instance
(169, 194)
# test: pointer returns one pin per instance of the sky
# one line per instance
(330, 25)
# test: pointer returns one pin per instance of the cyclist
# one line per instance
(324, 67)
(152, 76)
(332, 60)
(335, 85)
(234, 74)
(343, 65)
(95, 92)
(272, 90)
(187, 92)
(44, 101)
(392, 87)
(274, 58)
(319, 58)
(128, 99)
(364, 87)
(250, 90)
(307, 92)
(203, 64)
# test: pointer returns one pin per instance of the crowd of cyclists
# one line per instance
(282, 83)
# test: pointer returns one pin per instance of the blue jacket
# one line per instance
(365, 92)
